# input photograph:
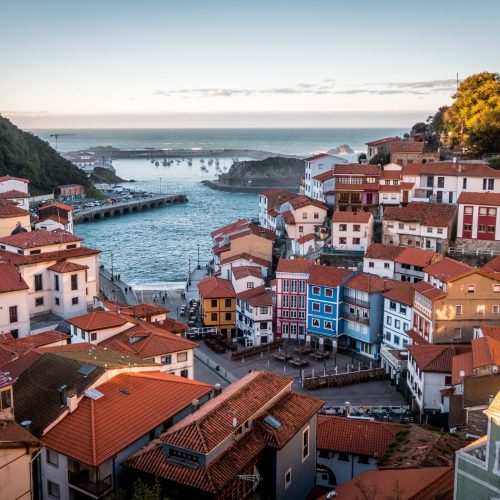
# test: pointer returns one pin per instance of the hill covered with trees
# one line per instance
(22, 154)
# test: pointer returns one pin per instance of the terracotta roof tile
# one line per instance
(328, 276)
(10, 279)
(288, 217)
(402, 294)
(324, 176)
(111, 423)
(247, 257)
(427, 214)
(435, 358)
(406, 147)
(306, 238)
(56, 204)
(39, 238)
(426, 289)
(12, 433)
(295, 266)
(71, 253)
(478, 390)
(22, 344)
(447, 268)
(379, 142)
(357, 169)
(4, 178)
(304, 201)
(13, 193)
(10, 209)
(466, 169)
(246, 271)
(257, 297)
(383, 252)
(427, 483)
(214, 288)
(459, 363)
(416, 338)
(354, 217)
(371, 283)
(66, 267)
(97, 320)
(353, 436)
(491, 331)
(485, 352)
(415, 257)
(317, 157)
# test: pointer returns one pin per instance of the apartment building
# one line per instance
(352, 230)
(316, 165)
(254, 316)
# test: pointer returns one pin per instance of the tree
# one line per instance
(361, 157)
(380, 158)
(472, 122)
(419, 128)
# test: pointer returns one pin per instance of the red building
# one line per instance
(291, 297)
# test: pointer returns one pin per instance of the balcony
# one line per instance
(356, 318)
(356, 302)
(82, 481)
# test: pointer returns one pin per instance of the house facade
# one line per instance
(316, 165)
(254, 316)
(352, 230)
(55, 215)
(14, 314)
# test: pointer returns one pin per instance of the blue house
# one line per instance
(324, 304)
(363, 312)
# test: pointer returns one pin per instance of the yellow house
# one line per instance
(12, 216)
(218, 305)
(17, 446)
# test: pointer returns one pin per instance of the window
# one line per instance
(228, 316)
(392, 305)
(213, 303)
(328, 325)
(440, 182)
(397, 323)
(228, 302)
(74, 301)
(388, 320)
(343, 241)
(495, 309)
(71, 246)
(316, 215)
(401, 225)
(264, 310)
(363, 459)
(402, 309)
(371, 264)
(56, 282)
(57, 301)
(93, 336)
(356, 241)
(288, 478)
(488, 184)
(496, 288)
(181, 357)
(328, 292)
(304, 215)
(480, 309)
(54, 490)
(301, 229)
(316, 290)
(328, 309)
(74, 282)
(5, 399)
(305, 444)
(285, 285)
(166, 360)
(396, 339)
(13, 314)
(471, 288)
(250, 284)
(468, 210)
(356, 228)
(184, 373)
(39, 302)
(315, 323)
(38, 282)
(213, 316)
(344, 457)
(343, 227)
(315, 306)
(464, 183)
(386, 265)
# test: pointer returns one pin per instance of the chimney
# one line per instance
(26, 424)
(217, 390)
(195, 405)
(347, 408)
(71, 399)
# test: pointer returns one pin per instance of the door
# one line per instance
(405, 196)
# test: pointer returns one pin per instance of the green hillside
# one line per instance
(24, 155)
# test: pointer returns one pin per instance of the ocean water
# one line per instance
(286, 141)
(157, 247)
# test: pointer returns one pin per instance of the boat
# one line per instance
(165, 162)
(202, 160)
(217, 162)
(157, 163)
(190, 163)
(152, 160)
(210, 161)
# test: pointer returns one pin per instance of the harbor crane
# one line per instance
(56, 136)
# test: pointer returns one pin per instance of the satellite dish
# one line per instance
(462, 374)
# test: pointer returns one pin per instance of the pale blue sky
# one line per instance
(140, 63)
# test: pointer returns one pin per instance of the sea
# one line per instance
(155, 249)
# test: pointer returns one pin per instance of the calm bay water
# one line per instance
(154, 247)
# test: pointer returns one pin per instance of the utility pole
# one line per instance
(198, 245)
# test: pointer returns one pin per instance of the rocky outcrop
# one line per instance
(105, 176)
(341, 149)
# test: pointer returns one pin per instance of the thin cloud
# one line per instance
(430, 84)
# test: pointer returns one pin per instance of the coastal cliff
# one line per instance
(261, 174)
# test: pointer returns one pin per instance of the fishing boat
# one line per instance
(202, 160)
(165, 162)
(157, 163)
(210, 161)
(190, 163)
(152, 160)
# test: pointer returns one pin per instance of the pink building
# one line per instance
(71, 192)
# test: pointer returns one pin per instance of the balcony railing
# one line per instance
(81, 480)
(356, 318)
(356, 302)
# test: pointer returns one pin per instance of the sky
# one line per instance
(153, 63)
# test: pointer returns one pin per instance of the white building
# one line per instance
(14, 310)
(379, 259)
(352, 230)
(242, 260)
(9, 183)
(63, 276)
(419, 224)
(54, 216)
(409, 264)
(269, 206)
(323, 186)
(318, 164)
(254, 316)
(245, 277)
(398, 312)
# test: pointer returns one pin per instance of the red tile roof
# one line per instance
(427, 483)
(4, 178)
(306, 238)
(428, 214)
(328, 276)
(66, 267)
(406, 147)
(427, 290)
(415, 257)
(230, 227)
(353, 436)
(35, 340)
(10, 209)
(56, 204)
(435, 358)
(13, 193)
(383, 252)
(491, 331)
(72, 253)
(493, 265)
(317, 157)
(274, 192)
(289, 218)
(39, 238)
(295, 266)
(371, 283)
(97, 320)
(215, 288)
(357, 169)
(304, 201)
(379, 142)
(485, 352)
(116, 420)
(492, 199)
(402, 294)
(477, 169)
(447, 268)
(246, 271)
(257, 297)
(10, 279)
(362, 217)
(248, 258)
(416, 338)
(324, 176)
(11, 433)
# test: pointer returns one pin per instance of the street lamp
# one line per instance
(198, 245)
